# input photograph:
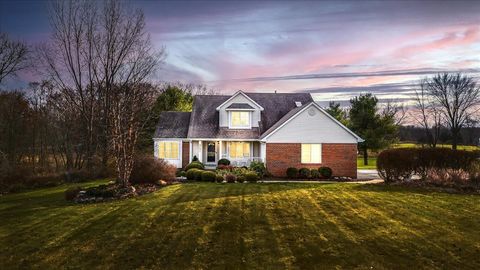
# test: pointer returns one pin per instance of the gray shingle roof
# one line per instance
(172, 125)
(204, 118)
(284, 119)
(240, 106)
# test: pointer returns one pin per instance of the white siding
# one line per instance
(175, 162)
(195, 149)
(223, 114)
(306, 128)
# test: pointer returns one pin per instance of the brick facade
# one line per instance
(341, 158)
(185, 154)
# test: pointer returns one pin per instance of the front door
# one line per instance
(211, 152)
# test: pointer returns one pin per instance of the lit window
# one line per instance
(240, 119)
(239, 149)
(168, 150)
(311, 153)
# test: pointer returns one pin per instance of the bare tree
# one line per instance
(99, 60)
(13, 56)
(427, 114)
(457, 97)
(68, 61)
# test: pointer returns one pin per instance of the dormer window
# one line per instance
(240, 119)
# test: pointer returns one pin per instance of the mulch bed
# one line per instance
(111, 192)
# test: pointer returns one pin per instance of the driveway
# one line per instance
(363, 174)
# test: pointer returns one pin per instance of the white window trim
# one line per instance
(179, 154)
(321, 154)
(244, 127)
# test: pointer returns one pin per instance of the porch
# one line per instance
(240, 153)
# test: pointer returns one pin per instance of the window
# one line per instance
(311, 153)
(239, 149)
(239, 119)
(168, 150)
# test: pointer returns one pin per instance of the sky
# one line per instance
(334, 50)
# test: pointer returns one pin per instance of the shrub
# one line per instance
(230, 178)
(223, 161)
(240, 171)
(208, 176)
(315, 174)
(71, 193)
(198, 175)
(100, 191)
(292, 172)
(304, 173)
(441, 166)
(396, 164)
(190, 174)
(195, 158)
(219, 178)
(259, 168)
(225, 167)
(251, 177)
(325, 172)
(240, 179)
(182, 174)
(194, 165)
(147, 169)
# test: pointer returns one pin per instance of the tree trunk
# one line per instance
(365, 156)
(454, 139)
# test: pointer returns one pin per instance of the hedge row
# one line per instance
(403, 163)
(305, 173)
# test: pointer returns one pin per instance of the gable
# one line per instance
(311, 125)
(235, 101)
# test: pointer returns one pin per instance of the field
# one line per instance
(244, 226)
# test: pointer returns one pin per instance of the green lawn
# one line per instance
(372, 163)
(246, 226)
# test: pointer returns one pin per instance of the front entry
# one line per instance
(211, 152)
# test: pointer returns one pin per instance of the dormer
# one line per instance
(239, 112)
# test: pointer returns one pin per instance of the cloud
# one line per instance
(404, 72)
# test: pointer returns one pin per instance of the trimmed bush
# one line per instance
(198, 175)
(259, 168)
(315, 174)
(71, 193)
(147, 169)
(325, 172)
(304, 173)
(182, 174)
(223, 161)
(219, 178)
(396, 164)
(208, 176)
(441, 166)
(230, 178)
(251, 177)
(190, 174)
(194, 165)
(292, 172)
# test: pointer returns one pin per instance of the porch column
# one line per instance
(190, 152)
(200, 151)
(220, 149)
(263, 151)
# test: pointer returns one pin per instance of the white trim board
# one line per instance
(240, 92)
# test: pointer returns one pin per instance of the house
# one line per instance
(280, 129)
